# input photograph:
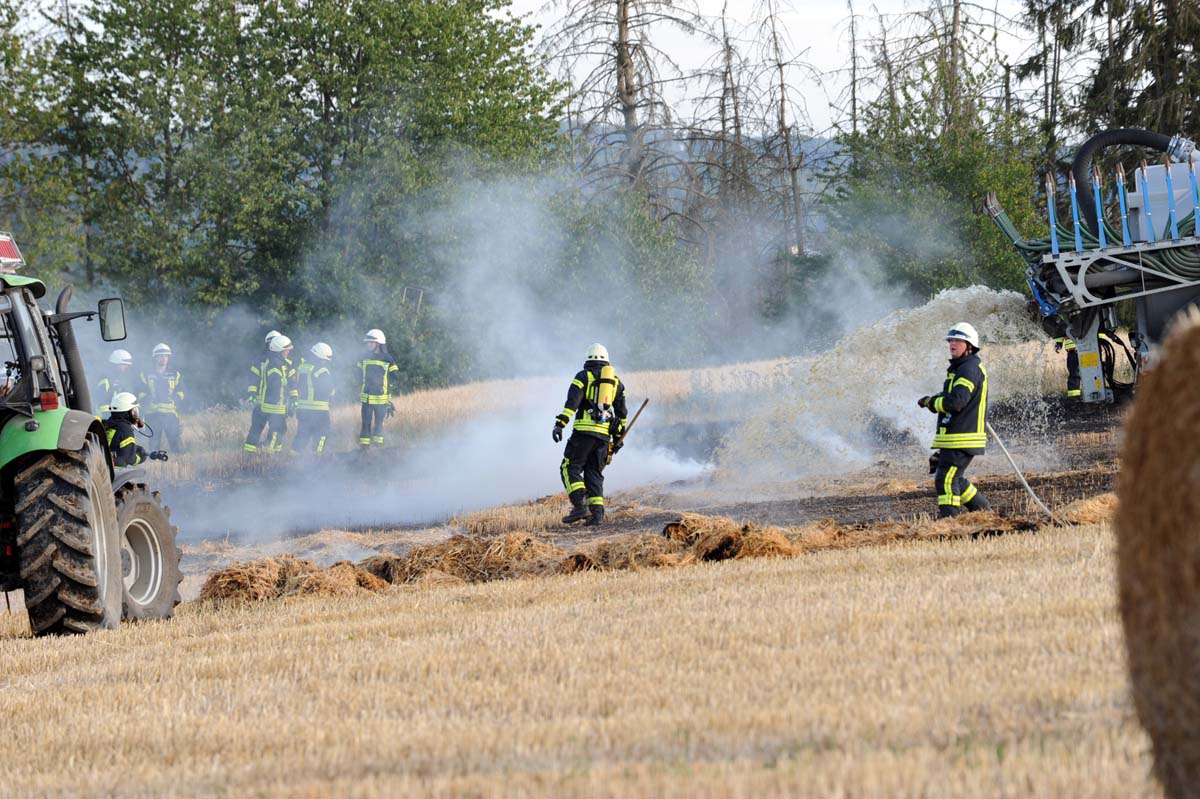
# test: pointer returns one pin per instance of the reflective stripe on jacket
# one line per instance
(315, 385)
(377, 370)
(962, 407)
(581, 403)
(161, 391)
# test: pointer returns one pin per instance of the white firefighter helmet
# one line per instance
(964, 331)
(121, 357)
(280, 343)
(270, 336)
(123, 402)
(375, 336)
(597, 352)
(322, 350)
(161, 349)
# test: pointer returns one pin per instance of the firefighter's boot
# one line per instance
(978, 502)
(597, 516)
(578, 510)
(945, 511)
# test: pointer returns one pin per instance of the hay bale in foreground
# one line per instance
(1158, 558)
(386, 567)
(341, 579)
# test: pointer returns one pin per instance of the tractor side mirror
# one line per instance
(112, 319)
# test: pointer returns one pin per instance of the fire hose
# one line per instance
(1020, 476)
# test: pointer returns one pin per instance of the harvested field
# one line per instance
(948, 668)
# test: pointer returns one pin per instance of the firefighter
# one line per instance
(961, 426)
(119, 426)
(259, 368)
(1065, 342)
(596, 399)
(378, 373)
(270, 398)
(116, 378)
(315, 387)
(162, 390)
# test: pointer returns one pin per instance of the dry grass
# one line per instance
(950, 669)
(1159, 554)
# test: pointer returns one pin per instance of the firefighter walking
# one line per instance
(379, 373)
(162, 390)
(315, 387)
(596, 399)
(961, 407)
(270, 395)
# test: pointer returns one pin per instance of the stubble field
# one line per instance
(990, 667)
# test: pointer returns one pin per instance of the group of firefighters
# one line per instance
(280, 388)
(595, 407)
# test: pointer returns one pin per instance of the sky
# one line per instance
(820, 30)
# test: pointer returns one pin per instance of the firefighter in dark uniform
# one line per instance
(116, 379)
(379, 373)
(162, 390)
(270, 399)
(1065, 342)
(119, 426)
(315, 387)
(961, 427)
(596, 399)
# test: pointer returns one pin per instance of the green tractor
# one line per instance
(89, 545)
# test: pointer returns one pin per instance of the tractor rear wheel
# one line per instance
(149, 555)
(68, 541)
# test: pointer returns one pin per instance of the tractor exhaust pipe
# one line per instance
(79, 397)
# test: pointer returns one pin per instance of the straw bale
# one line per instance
(1093, 510)
(255, 580)
(1158, 557)
(576, 562)
(385, 567)
(477, 559)
(435, 578)
(765, 542)
(337, 580)
(630, 552)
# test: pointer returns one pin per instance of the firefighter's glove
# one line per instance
(933, 462)
(923, 402)
(1058, 346)
(557, 434)
(391, 411)
(616, 446)
(158, 455)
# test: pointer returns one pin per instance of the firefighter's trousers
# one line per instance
(372, 424)
(312, 431)
(582, 468)
(276, 426)
(167, 429)
(1074, 384)
(954, 491)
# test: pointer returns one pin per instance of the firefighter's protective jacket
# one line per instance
(121, 441)
(315, 387)
(272, 392)
(581, 403)
(379, 372)
(962, 407)
(160, 391)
